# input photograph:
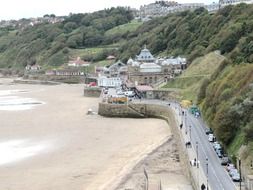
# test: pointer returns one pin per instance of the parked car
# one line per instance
(233, 172)
(219, 153)
(119, 92)
(236, 177)
(209, 131)
(230, 166)
(216, 145)
(211, 138)
(129, 93)
(225, 160)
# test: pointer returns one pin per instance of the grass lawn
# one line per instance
(133, 25)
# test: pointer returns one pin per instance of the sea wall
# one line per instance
(92, 92)
(142, 110)
(23, 81)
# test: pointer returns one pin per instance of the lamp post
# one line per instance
(197, 153)
(190, 132)
(240, 173)
(185, 123)
(206, 173)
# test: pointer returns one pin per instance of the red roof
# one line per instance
(143, 88)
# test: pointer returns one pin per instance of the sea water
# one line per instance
(10, 102)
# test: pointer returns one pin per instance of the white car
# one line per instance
(129, 93)
(233, 172)
(230, 167)
(211, 138)
(120, 92)
(236, 177)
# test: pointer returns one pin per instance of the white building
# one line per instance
(103, 81)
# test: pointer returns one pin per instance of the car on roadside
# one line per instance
(211, 138)
(225, 160)
(129, 93)
(230, 166)
(209, 131)
(219, 153)
(216, 145)
(236, 177)
(119, 92)
(233, 172)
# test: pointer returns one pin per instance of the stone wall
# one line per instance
(141, 110)
(120, 110)
(92, 92)
(21, 81)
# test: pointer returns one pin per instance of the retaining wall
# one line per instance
(92, 92)
(141, 110)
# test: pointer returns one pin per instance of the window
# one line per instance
(150, 80)
(146, 80)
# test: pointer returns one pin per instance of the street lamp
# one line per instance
(240, 173)
(190, 132)
(185, 119)
(206, 173)
(197, 154)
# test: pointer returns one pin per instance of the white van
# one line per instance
(211, 138)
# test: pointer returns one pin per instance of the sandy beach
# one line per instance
(56, 145)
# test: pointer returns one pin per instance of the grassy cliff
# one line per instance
(188, 84)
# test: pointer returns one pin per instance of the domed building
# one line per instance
(146, 70)
(145, 56)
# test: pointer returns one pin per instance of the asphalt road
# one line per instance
(218, 178)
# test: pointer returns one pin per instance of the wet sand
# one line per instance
(76, 151)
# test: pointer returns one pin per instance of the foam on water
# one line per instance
(16, 150)
(16, 103)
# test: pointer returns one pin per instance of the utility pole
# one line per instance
(207, 173)
(185, 121)
(240, 173)
(190, 132)
(197, 153)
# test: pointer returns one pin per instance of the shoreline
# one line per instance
(87, 151)
(144, 110)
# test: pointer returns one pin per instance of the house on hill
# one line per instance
(78, 62)
(111, 57)
(33, 68)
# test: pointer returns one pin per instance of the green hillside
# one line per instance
(220, 84)
(188, 84)
(51, 45)
(197, 33)
(227, 103)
